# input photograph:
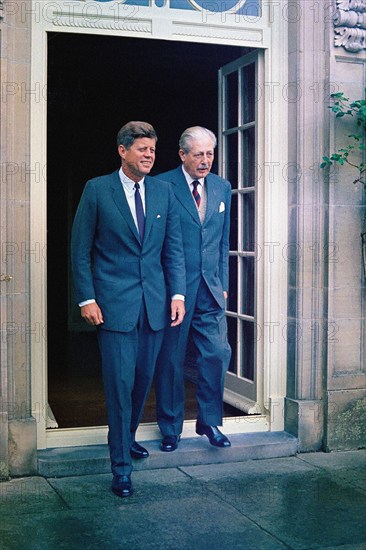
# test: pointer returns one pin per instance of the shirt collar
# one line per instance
(127, 182)
(189, 178)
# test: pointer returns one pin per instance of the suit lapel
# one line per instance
(120, 200)
(150, 204)
(183, 194)
(211, 194)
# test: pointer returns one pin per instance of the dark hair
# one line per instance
(134, 130)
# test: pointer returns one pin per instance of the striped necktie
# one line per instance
(195, 193)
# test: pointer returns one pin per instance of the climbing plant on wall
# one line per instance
(349, 154)
(353, 152)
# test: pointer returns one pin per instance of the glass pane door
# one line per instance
(238, 135)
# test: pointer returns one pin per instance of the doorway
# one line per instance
(95, 85)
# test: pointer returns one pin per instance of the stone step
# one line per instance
(94, 459)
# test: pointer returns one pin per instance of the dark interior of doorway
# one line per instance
(95, 85)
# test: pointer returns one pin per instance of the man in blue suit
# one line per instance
(204, 209)
(127, 256)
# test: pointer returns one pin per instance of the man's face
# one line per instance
(198, 161)
(138, 160)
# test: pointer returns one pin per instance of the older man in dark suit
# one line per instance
(126, 250)
(204, 209)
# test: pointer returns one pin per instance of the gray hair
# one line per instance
(134, 130)
(195, 133)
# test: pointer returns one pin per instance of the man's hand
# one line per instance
(178, 312)
(92, 314)
(225, 294)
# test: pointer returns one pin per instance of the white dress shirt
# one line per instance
(129, 189)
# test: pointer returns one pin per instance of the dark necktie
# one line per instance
(139, 212)
(195, 193)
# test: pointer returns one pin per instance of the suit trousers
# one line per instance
(128, 363)
(205, 321)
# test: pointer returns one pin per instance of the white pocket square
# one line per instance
(222, 207)
(158, 216)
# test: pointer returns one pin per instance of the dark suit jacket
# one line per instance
(206, 246)
(110, 264)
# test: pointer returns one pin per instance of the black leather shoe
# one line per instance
(214, 435)
(169, 443)
(136, 451)
(121, 486)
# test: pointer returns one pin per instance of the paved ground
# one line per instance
(308, 501)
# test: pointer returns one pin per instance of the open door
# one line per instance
(240, 128)
(74, 379)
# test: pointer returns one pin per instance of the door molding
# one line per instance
(157, 22)
(265, 32)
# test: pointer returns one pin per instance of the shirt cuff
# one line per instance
(86, 302)
(178, 297)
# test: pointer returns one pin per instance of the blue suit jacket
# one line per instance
(206, 246)
(110, 264)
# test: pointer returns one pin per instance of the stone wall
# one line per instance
(308, 222)
(346, 381)
(17, 429)
(326, 352)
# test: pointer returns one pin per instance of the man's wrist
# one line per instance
(86, 302)
(178, 297)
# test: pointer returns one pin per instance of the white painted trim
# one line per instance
(235, 8)
(274, 216)
(269, 31)
(241, 403)
(51, 421)
(114, 18)
(38, 232)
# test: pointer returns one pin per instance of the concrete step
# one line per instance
(94, 459)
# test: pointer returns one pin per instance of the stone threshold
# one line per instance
(94, 459)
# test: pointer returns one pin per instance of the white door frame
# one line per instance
(245, 394)
(268, 32)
